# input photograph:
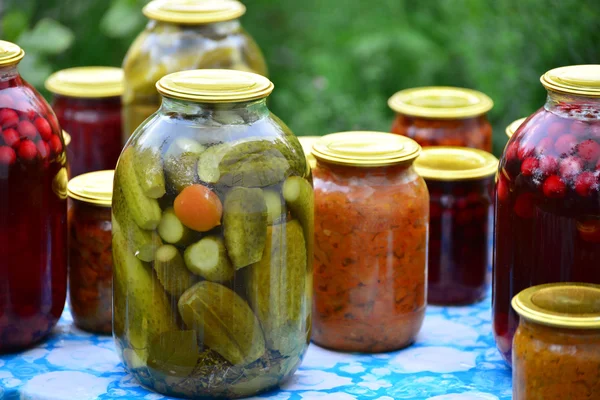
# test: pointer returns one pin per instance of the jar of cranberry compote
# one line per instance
(87, 103)
(33, 210)
(548, 196)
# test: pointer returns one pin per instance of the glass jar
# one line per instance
(460, 182)
(87, 103)
(548, 197)
(224, 184)
(557, 345)
(443, 116)
(183, 35)
(371, 221)
(33, 210)
(90, 251)
(307, 144)
(514, 126)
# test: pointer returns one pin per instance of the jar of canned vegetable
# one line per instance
(443, 116)
(556, 351)
(90, 251)
(87, 102)
(33, 210)
(514, 126)
(184, 35)
(371, 226)
(548, 196)
(222, 307)
(461, 183)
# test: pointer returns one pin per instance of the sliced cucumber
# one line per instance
(274, 206)
(208, 259)
(171, 230)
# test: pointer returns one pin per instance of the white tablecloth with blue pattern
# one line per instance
(454, 358)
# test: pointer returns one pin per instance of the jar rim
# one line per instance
(561, 305)
(514, 126)
(87, 82)
(193, 12)
(446, 163)
(10, 53)
(93, 188)
(365, 149)
(440, 102)
(582, 80)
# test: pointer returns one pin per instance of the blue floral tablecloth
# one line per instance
(454, 358)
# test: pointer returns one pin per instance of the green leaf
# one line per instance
(13, 24)
(47, 37)
(122, 19)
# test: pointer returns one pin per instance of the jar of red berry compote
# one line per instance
(33, 210)
(548, 196)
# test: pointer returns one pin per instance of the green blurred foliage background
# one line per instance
(336, 62)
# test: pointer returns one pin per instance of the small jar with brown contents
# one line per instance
(90, 252)
(371, 223)
(556, 349)
(443, 116)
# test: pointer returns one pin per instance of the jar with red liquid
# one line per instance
(460, 182)
(548, 196)
(33, 210)
(87, 103)
(90, 251)
(443, 116)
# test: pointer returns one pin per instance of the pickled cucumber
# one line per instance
(171, 230)
(244, 225)
(147, 308)
(299, 197)
(149, 170)
(225, 321)
(181, 170)
(276, 288)
(171, 271)
(208, 259)
(275, 210)
(143, 209)
(142, 243)
(174, 353)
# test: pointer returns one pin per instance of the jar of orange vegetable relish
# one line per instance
(90, 251)
(556, 349)
(514, 126)
(371, 225)
(443, 116)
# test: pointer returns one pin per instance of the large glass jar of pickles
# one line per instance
(221, 188)
(33, 210)
(87, 102)
(371, 222)
(443, 116)
(548, 196)
(183, 35)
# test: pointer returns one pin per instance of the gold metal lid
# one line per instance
(215, 86)
(66, 137)
(455, 163)
(87, 82)
(440, 102)
(10, 53)
(93, 187)
(563, 305)
(307, 143)
(581, 80)
(365, 149)
(194, 11)
(512, 128)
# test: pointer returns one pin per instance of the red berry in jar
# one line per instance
(565, 145)
(503, 189)
(8, 118)
(55, 145)
(27, 129)
(589, 150)
(545, 146)
(548, 165)
(529, 165)
(512, 151)
(585, 183)
(569, 167)
(556, 129)
(11, 137)
(578, 128)
(554, 187)
(7, 155)
(43, 149)
(43, 127)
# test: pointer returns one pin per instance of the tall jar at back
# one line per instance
(33, 210)
(219, 187)
(87, 102)
(548, 196)
(443, 116)
(371, 225)
(183, 35)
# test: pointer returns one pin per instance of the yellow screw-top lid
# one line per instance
(215, 86)
(512, 128)
(440, 102)
(10, 53)
(581, 80)
(455, 163)
(194, 11)
(87, 82)
(307, 143)
(93, 187)
(563, 305)
(365, 149)
(66, 137)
